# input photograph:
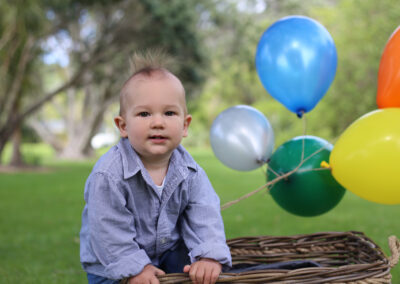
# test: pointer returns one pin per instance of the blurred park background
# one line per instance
(62, 63)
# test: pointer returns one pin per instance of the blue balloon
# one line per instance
(296, 62)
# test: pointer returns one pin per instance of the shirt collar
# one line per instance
(131, 163)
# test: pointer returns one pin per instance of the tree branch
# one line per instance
(45, 134)
(14, 94)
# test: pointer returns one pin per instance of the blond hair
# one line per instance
(149, 64)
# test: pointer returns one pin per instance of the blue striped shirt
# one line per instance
(126, 224)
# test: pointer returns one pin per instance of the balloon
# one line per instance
(242, 138)
(365, 159)
(388, 94)
(296, 62)
(305, 192)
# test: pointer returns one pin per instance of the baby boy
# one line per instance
(150, 208)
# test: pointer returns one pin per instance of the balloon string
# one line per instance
(269, 184)
(275, 180)
(312, 170)
(303, 117)
(230, 203)
(315, 153)
(272, 171)
(279, 177)
(304, 135)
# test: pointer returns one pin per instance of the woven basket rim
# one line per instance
(347, 257)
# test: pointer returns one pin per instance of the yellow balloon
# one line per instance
(366, 158)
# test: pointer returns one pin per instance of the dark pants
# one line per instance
(172, 261)
(95, 279)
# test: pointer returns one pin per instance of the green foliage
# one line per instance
(360, 30)
(29, 136)
(233, 79)
(172, 25)
(34, 153)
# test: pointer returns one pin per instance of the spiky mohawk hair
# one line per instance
(150, 63)
(154, 59)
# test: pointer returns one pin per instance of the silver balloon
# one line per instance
(242, 138)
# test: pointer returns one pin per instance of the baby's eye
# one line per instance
(170, 113)
(144, 114)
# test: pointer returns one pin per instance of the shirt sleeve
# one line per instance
(112, 229)
(202, 226)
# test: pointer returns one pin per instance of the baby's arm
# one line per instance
(202, 227)
(148, 275)
(204, 271)
(112, 229)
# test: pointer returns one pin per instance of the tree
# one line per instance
(102, 34)
(171, 27)
(16, 53)
(23, 28)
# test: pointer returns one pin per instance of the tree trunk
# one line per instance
(79, 142)
(5, 135)
(45, 134)
(74, 149)
(16, 158)
(6, 128)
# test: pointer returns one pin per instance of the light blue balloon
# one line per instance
(296, 62)
(242, 138)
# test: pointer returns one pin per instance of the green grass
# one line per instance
(40, 217)
(39, 223)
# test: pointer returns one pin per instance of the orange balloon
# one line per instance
(388, 94)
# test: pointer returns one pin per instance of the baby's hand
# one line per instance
(148, 275)
(205, 271)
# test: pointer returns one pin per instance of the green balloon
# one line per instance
(304, 193)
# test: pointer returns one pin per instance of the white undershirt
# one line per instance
(160, 188)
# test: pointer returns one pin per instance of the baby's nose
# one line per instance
(157, 121)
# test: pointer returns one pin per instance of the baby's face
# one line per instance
(155, 117)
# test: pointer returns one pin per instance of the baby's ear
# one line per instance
(121, 125)
(186, 124)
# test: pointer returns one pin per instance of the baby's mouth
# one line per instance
(157, 138)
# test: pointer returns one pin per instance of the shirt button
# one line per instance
(163, 241)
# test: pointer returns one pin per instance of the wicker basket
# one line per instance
(346, 257)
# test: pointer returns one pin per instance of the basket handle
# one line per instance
(394, 245)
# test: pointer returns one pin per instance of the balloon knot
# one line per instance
(300, 113)
(325, 165)
(262, 161)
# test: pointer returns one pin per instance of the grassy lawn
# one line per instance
(40, 218)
